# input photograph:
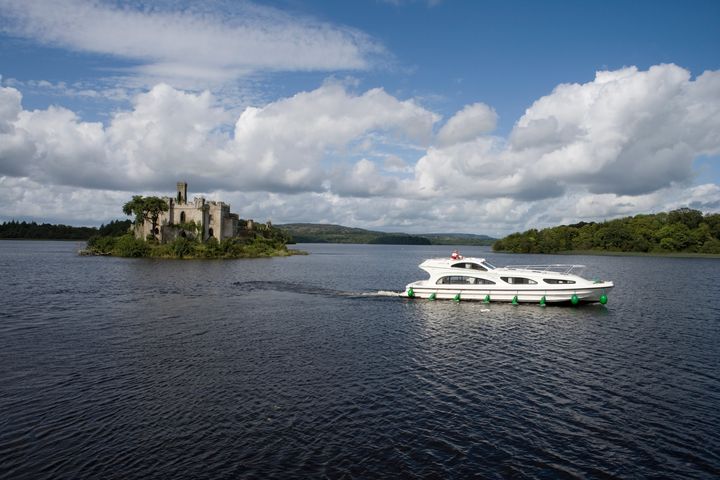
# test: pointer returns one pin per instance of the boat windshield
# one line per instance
(489, 265)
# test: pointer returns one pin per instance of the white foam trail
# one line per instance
(386, 293)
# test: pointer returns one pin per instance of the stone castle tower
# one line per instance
(196, 218)
(182, 192)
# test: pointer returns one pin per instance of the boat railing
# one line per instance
(554, 268)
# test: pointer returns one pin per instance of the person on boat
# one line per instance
(455, 255)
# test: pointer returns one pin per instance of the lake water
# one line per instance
(307, 367)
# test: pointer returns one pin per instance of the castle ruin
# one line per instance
(193, 219)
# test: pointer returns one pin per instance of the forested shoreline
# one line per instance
(46, 231)
(680, 231)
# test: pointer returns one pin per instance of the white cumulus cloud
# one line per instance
(468, 124)
(285, 146)
(627, 132)
(620, 144)
(209, 41)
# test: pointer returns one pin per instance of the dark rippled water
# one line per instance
(303, 367)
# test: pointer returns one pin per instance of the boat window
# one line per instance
(471, 265)
(463, 280)
(453, 280)
(556, 281)
(518, 280)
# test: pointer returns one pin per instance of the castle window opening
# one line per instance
(182, 216)
(210, 232)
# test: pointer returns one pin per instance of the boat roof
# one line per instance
(460, 259)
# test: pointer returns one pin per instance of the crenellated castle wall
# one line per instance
(214, 218)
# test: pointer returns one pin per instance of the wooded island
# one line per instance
(156, 232)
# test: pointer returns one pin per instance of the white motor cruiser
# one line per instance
(473, 278)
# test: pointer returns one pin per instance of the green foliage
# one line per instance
(713, 223)
(686, 216)
(146, 208)
(711, 246)
(182, 247)
(129, 246)
(101, 245)
(212, 247)
(261, 244)
(115, 228)
(192, 227)
(135, 207)
(682, 230)
(275, 235)
(125, 246)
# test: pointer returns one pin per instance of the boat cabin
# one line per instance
(473, 264)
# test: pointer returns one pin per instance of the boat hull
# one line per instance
(521, 295)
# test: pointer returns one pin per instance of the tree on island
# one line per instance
(146, 208)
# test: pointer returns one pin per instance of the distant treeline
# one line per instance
(400, 240)
(46, 231)
(683, 230)
(458, 239)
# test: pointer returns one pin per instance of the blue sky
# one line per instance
(482, 117)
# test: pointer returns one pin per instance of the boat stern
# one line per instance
(411, 289)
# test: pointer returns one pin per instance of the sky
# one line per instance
(425, 116)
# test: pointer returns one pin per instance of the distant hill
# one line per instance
(327, 233)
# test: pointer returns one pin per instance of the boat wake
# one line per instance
(384, 293)
(309, 289)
